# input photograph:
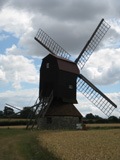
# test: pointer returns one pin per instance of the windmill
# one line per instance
(60, 78)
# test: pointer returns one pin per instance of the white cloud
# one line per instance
(103, 67)
(18, 69)
(20, 98)
(2, 74)
(13, 50)
(15, 21)
(115, 24)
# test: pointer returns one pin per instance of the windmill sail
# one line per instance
(93, 94)
(92, 43)
(47, 42)
(12, 106)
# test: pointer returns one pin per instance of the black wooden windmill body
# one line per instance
(60, 78)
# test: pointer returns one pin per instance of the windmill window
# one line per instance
(47, 65)
(70, 86)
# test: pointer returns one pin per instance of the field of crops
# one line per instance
(83, 145)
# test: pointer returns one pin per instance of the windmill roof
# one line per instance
(63, 109)
(66, 65)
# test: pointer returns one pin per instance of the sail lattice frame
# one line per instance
(47, 42)
(93, 94)
(92, 43)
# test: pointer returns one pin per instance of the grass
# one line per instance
(20, 144)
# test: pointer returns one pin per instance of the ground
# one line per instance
(96, 143)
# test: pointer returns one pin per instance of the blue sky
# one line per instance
(6, 40)
(68, 23)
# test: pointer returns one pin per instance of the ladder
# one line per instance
(40, 110)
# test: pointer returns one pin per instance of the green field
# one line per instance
(21, 144)
(92, 144)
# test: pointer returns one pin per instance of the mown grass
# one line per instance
(20, 144)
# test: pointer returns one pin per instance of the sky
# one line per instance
(70, 23)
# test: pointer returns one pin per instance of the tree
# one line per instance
(8, 111)
(90, 116)
(1, 113)
(97, 117)
(26, 112)
(113, 119)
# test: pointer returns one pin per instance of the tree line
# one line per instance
(26, 112)
(90, 118)
(23, 113)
